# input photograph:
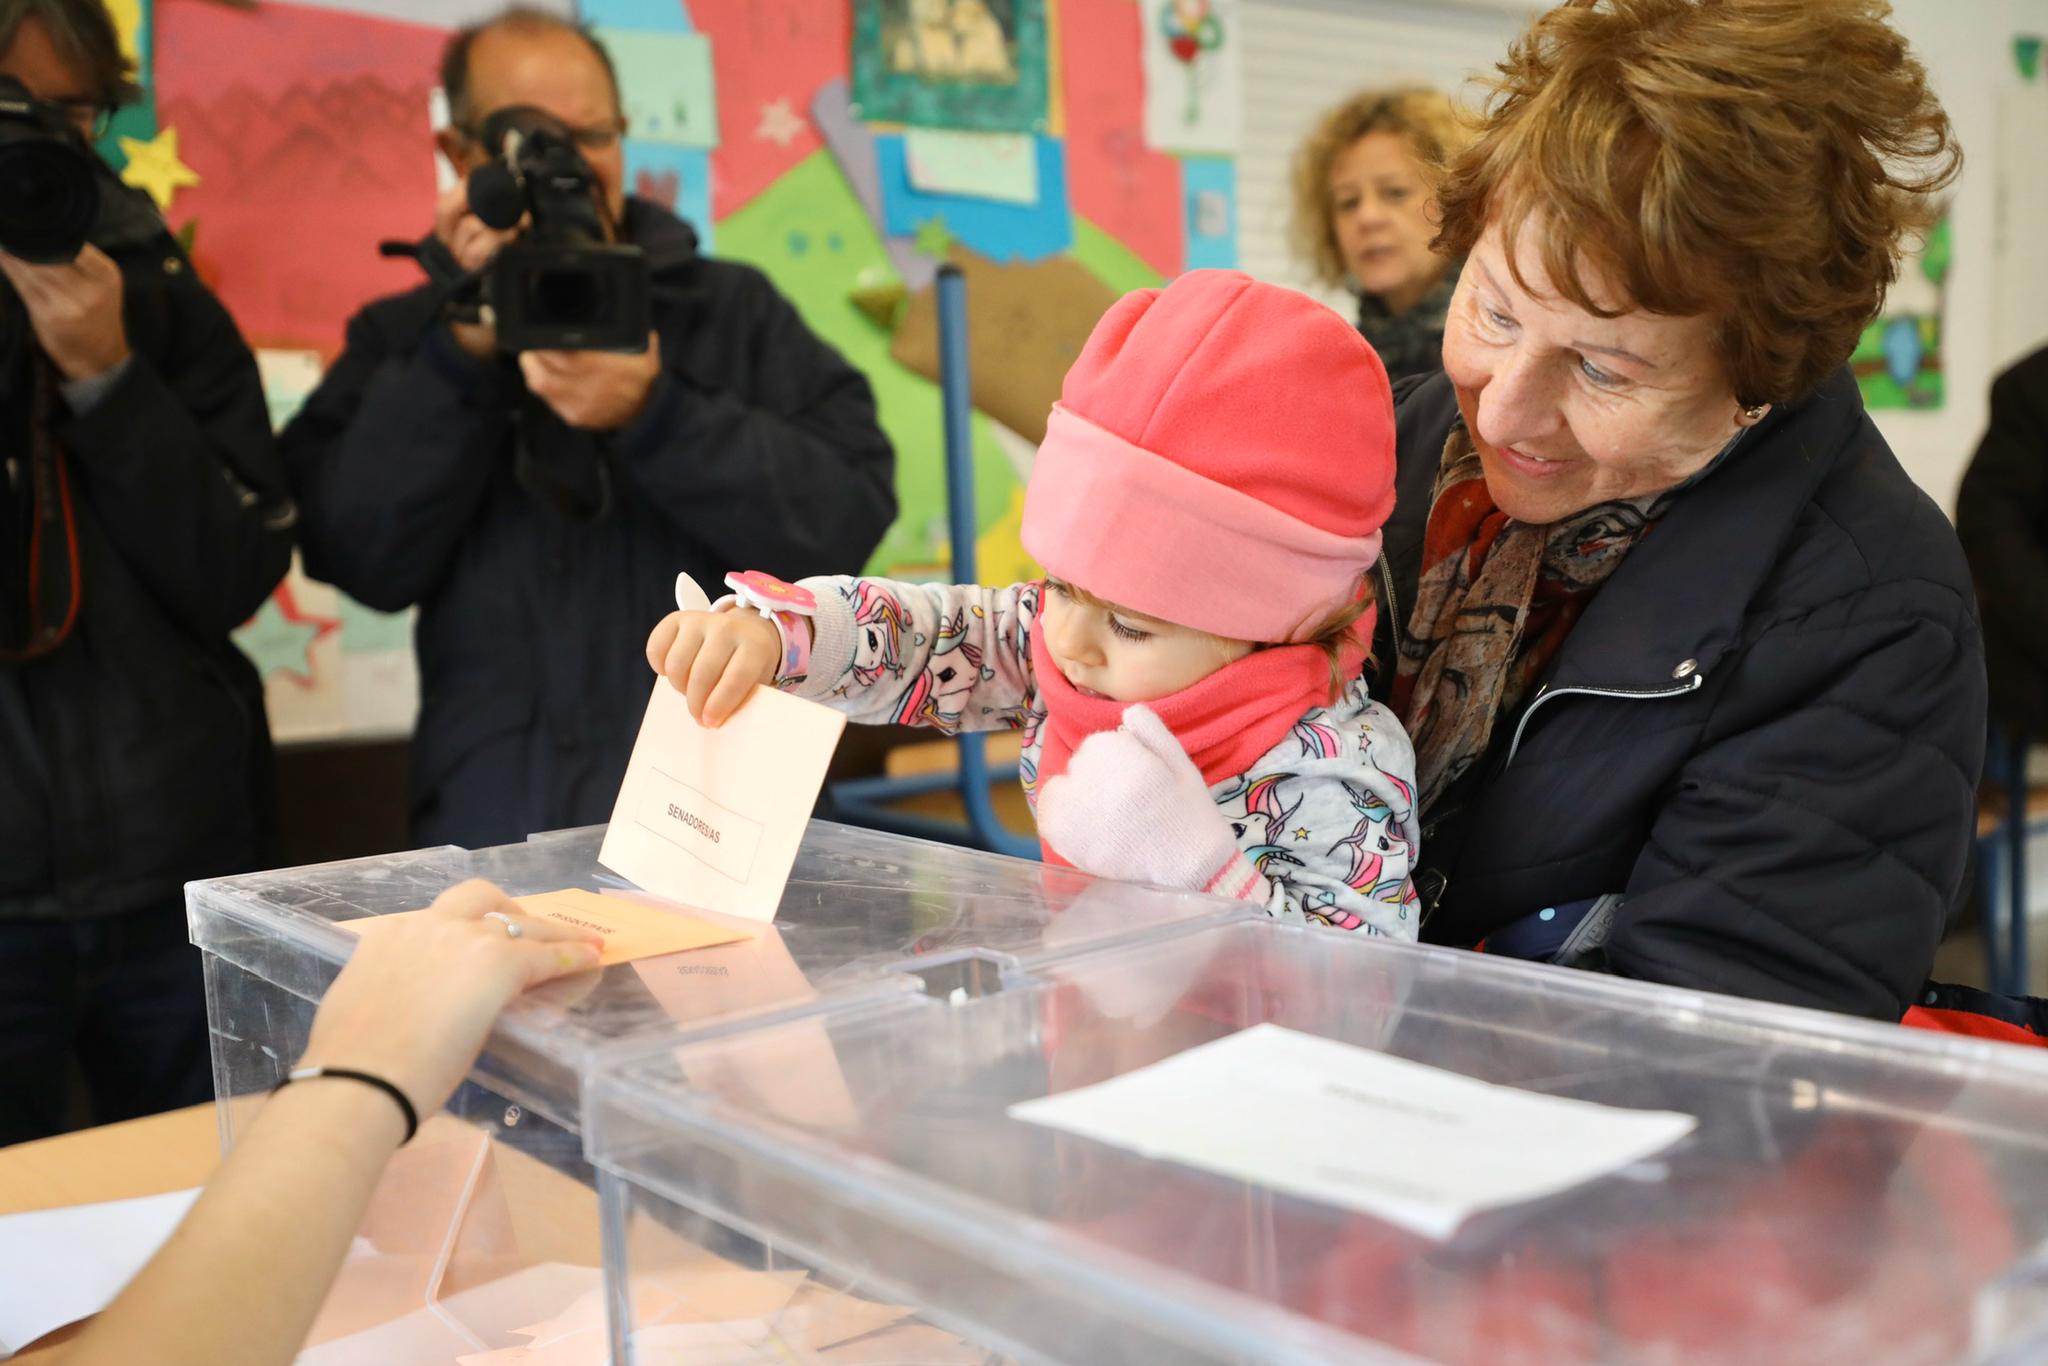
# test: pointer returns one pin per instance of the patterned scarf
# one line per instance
(1226, 722)
(1493, 606)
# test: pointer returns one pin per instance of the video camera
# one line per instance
(55, 193)
(560, 286)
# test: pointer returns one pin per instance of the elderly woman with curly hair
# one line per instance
(1692, 668)
(1365, 216)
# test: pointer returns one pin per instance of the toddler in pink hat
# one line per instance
(1207, 505)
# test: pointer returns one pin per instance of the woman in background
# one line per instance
(1365, 214)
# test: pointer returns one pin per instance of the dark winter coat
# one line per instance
(1764, 732)
(136, 756)
(537, 585)
(2002, 517)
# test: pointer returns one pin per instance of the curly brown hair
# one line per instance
(1426, 118)
(1754, 161)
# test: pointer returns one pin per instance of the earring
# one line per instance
(1755, 411)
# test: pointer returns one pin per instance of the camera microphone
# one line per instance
(496, 197)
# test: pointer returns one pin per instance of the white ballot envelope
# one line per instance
(713, 818)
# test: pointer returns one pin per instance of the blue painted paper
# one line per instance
(1001, 232)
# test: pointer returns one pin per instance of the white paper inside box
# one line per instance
(1369, 1152)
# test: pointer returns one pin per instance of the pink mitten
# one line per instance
(1133, 806)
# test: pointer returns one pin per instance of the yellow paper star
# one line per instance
(128, 24)
(153, 167)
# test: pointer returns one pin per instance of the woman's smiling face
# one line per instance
(1568, 409)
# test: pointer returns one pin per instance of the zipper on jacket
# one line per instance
(1393, 608)
(1546, 692)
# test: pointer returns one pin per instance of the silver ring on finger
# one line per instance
(513, 929)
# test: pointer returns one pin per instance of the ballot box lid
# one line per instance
(1817, 1188)
(861, 910)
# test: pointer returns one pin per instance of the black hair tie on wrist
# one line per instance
(412, 1116)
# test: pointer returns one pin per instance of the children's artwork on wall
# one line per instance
(1899, 360)
(153, 166)
(977, 64)
(1211, 202)
(773, 56)
(1026, 324)
(665, 85)
(853, 147)
(2026, 55)
(1116, 179)
(330, 666)
(308, 131)
(137, 121)
(999, 166)
(676, 178)
(1194, 86)
(1006, 232)
(448, 14)
(307, 125)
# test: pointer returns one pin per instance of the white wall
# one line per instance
(1967, 46)
(1302, 55)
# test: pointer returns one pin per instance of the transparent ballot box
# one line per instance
(488, 1222)
(1811, 1189)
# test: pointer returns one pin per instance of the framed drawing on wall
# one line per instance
(977, 64)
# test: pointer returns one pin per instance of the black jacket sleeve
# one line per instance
(392, 456)
(795, 475)
(2002, 511)
(1810, 848)
(178, 460)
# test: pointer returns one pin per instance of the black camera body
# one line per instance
(55, 192)
(560, 286)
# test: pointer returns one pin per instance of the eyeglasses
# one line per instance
(86, 113)
(601, 138)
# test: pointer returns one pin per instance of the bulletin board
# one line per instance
(1060, 151)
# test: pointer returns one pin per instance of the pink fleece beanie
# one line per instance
(1221, 457)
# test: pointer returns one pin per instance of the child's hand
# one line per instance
(715, 659)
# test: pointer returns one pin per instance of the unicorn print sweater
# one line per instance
(1327, 815)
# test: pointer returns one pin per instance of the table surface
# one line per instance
(167, 1152)
(551, 1217)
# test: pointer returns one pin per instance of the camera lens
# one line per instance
(570, 297)
(48, 200)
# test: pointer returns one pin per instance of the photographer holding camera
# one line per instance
(574, 408)
(144, 518)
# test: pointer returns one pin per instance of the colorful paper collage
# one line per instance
(852, 144)
(1002, 232)
(330, 666)
(655, 16)
(774, 56)
(998, 166)
(1194, 84)
(315, 113)
(134, 24)
(1116, 180)
(308, 131)
(810, 235)
(672, 174)
(1209, 189)
(665, 84)
(951, 63)
(676, 178)
(1900, 360)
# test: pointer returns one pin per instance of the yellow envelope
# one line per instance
(631, 927)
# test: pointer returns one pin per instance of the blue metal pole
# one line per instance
(957, 399)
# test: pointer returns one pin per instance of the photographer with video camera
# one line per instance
(530, 446)
(145, 516)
